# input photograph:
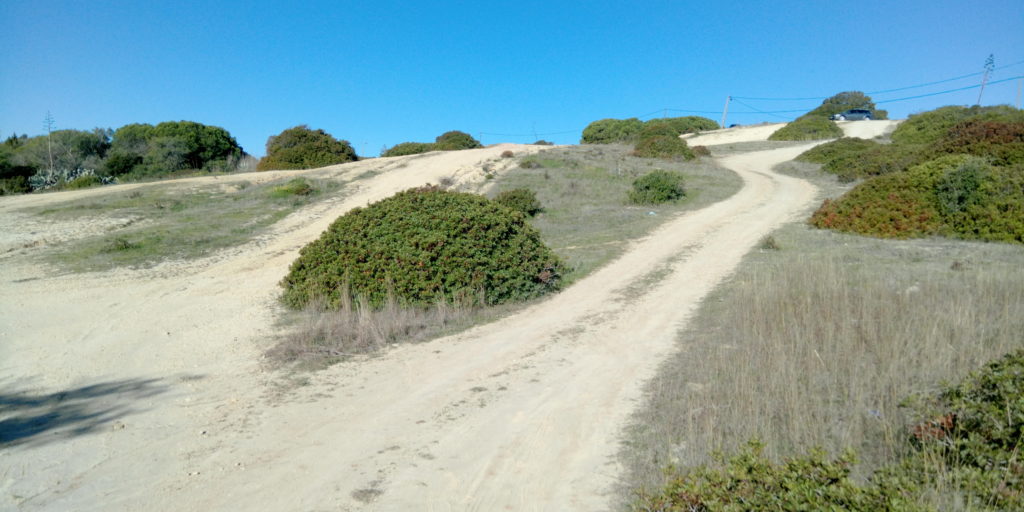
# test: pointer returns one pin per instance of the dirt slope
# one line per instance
(862, 129)
(520, 414)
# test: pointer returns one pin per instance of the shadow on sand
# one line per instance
(27, 418)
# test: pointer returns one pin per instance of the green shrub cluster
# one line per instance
(522, 200)
(657, 186)
(448, 141)
(423, 246)
(960, 196)
(815, 125)
(301, 147)
(294, 187)
(807, 128)
(1001, 142)
(663, 146)
(83, 182)
(611, 131)
(929, 127)
(968, 445)
(408, 148)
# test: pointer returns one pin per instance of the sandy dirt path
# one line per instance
(521, 414)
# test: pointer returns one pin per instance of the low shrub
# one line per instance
(423, 246)
(409, 148)
(456, 140)
(543, 142)
(960, 196)
(808, 128)
(294, 187)
(86, 181)
(658, 129)
(304, 148)
(663, 146)
(610, 131)
(751, 481)
(1001, 142)
(522, 200)
(929, 127)
(687, 124)
(507, 154)
(700, 151)
(839, 148)
(897, 205)
(846, 101)
(657, 186)
(15, 185)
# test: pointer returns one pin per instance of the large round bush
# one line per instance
(424, 245)
(610, 131)
(304, 148)
(456, 140)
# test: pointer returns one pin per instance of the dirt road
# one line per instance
(150, 391)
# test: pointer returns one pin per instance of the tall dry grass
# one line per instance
(323, 336)
(817, 345)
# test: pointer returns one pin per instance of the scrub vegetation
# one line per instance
(815, 125)
(954, 171)
(448, 141)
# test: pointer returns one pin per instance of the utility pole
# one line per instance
(48, 123)
(725, 111)
(990, 64)
(1020, 85)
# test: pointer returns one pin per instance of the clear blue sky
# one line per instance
(380, 73)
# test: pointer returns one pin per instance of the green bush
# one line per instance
(657, 129)
(845, 101)
(700, 151)
(15, 185)
(750, 481)
(522, 200)
(409, 148)
(839, 148)
(663, 146)
(960, 196)
(815, 125)
(687, 124)
(610, 131)
(86, 181)
(1001, 142)
(930, 127)
(294, 187)
(657, 186)
(303, 148)
(455, 141)
(808, 128)
(424, 245)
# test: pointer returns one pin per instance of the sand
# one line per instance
(147, 390)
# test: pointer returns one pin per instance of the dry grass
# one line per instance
(817, 344)
(321, 336)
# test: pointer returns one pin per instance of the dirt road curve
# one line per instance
(521, 414)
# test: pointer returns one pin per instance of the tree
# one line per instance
(301, 147)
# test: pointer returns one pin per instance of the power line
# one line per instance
(760, 111)
(950, 90)
(885, 91)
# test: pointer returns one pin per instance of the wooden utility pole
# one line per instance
(725, 111)
(1020, 85)
(990, 64)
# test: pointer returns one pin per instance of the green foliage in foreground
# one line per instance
(424, 246)
(750, 481)
(304, 148)
(960, 196)
(522, 200)
(968, 446)
(657, 186)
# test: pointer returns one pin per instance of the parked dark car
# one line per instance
(854, 114)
